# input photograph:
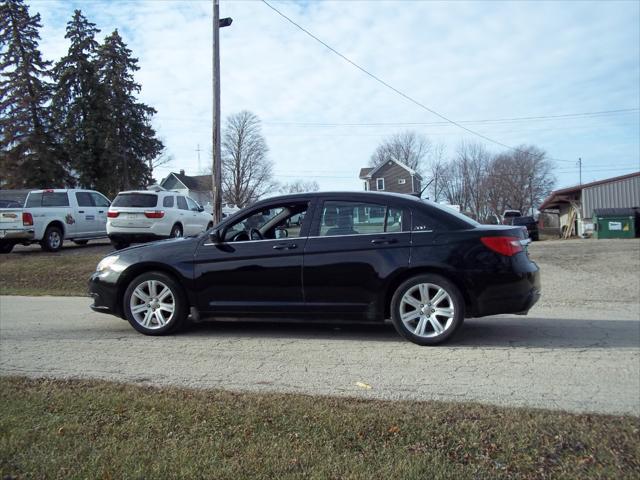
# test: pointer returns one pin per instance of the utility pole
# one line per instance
(580, 168)
(216, 175)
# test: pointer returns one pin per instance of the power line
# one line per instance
(402, 94)
(436, 124)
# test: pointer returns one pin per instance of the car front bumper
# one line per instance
(103, 289)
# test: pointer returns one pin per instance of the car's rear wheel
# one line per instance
(176, 231)
(209, 225)
(427, 309)
(6, 247)
(52, 240)
(155, 304)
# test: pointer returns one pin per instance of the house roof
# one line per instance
(199, 183)
(555, 197)
(364, 172)
(368, 172)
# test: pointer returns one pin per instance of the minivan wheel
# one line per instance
(52, 240)
(155, 304)
(176, 231)
(427, 309)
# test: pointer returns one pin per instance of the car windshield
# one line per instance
(142, 200)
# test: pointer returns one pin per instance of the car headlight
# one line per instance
(106, 263)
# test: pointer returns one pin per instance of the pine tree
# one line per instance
(77, 105)
(29, 155)
(130, 142)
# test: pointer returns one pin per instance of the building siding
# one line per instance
(392, 173)
(621, 194)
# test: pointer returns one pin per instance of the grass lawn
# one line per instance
(46, 274)
(92, 429)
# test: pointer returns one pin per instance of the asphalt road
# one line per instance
(583, 358)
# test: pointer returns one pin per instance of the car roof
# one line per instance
(373, 196)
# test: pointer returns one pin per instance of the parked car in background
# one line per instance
(530, 224)
(51, 216)
(357, 256)
(143, 216)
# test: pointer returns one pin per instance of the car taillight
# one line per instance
(112, 214)
(154, 213)
(507, 246)
(27, 219)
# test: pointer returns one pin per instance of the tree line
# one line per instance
(482, 183)
(75, 122)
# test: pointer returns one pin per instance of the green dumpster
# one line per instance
(615, 222)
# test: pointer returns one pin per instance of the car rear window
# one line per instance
(48, 199)
(142, 200)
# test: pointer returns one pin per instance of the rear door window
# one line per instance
(139, 200)
(353, 218)
(55, 199)
(182, 203)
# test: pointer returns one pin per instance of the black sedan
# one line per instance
(357, 256)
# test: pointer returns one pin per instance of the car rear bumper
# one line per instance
(512, 293)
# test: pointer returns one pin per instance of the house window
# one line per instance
(366, 185)
(402, 181)
(380, 183)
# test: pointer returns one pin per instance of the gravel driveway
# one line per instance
(578, 350)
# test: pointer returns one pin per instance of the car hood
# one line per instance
(188, 243)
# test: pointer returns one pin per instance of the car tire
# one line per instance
(427, 309)
(81, 242)
(6, 247)
(176, 231)
(159, 290)
(209, 225)
(52, 240)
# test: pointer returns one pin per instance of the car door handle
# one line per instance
(381, 241)
(285, 246)
(100, 211)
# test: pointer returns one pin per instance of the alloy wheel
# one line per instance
(152, 304)
(427, 310)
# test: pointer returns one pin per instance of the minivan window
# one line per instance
(141, 200)
(168, 202)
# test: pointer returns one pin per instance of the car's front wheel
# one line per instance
(155, 304)
(427, 309)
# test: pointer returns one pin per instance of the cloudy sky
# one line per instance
(491, 65)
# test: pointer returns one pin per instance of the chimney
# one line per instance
(181, 172)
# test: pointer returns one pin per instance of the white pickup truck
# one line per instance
(50, 216)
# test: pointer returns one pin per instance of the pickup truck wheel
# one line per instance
(155, 304)
(52, 240)
(81, 242)
(6, 247)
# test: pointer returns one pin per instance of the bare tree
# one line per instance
(407, 147)
(247, 173)
(435, 172)
(300, 186)
(520, 179)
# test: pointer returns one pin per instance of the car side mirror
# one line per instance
(201, 209)
(282, 233)
(216, 236)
